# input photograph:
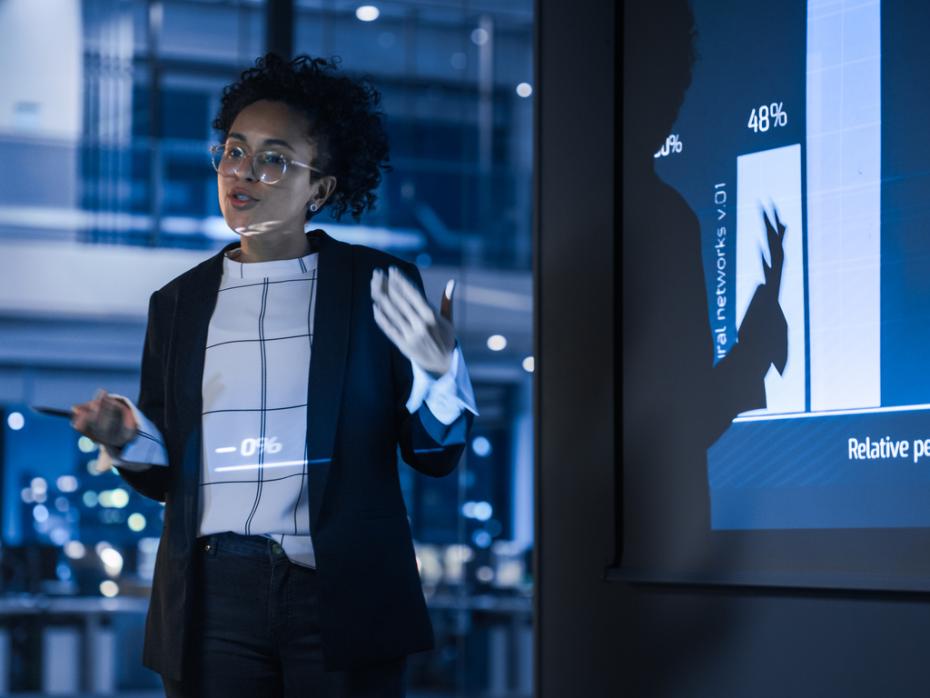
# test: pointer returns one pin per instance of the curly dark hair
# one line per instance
(344, 121)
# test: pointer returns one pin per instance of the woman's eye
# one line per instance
(271, 158)
(235, 153)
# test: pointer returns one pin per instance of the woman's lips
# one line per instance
(240, 200)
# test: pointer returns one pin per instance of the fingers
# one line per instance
(104, 419)
(402, 302)
(388, 327)
(409, 296)
(386, 302)
(445, 305)
(405, 316)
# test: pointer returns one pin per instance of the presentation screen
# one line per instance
(796, 177)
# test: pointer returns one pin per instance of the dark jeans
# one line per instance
(258, 634)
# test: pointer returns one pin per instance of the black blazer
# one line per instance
(371, 602)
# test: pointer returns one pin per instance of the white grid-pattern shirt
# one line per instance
(253, 476)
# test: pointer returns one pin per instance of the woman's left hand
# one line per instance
(404, 315)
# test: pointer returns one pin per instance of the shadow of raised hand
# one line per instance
(776, 239)
(764, 328)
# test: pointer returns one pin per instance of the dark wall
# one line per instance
(605, 638)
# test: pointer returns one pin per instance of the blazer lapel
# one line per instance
(327, 362)
(196, 302)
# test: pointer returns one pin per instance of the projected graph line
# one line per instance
(279, 464)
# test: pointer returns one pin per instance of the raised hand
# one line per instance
(105, 419)
(404, 315)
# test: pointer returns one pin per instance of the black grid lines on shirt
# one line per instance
(266, 487)
(266, 339)
(269, 282)
(303, 471)
(261, 430)
(248, 480)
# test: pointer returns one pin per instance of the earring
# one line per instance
(314, 207)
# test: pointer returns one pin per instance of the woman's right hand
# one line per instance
(105, 419)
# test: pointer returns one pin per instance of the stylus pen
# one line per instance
(53, 411)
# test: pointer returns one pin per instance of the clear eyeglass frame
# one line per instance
(264, 172)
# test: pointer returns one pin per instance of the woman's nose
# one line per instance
(246, 169)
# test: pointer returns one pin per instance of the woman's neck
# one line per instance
(264, 250)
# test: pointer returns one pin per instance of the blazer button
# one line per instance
(206, 546)
(276, 549)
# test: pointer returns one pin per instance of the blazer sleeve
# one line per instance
(426, 444)
(153, 482)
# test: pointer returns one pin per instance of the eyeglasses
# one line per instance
(268, 166)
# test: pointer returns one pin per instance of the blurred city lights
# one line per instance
(90, 498)
(63, 572)
(483, 511)
(75, 549)
(481, 446)
(109, 588)
(509, 573)
(119, 497)
(40, 513)
(112, 561)
(480, 36)
(39, 485)
(59, 535)
(136, 522)
(484, 574)
(481, 538)
(16, 421)
(85, 445)
(67, 483)
(524, 89)
(458, 553)
(367, 13)
(529, 364)
(497, 342)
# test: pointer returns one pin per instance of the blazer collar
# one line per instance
(196, 302)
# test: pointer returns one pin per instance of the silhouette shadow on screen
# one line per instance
(676, 401)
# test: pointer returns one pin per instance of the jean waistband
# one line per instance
(238, 544)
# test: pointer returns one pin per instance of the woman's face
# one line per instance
(251, 207)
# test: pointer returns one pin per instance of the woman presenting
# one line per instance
(278, 378)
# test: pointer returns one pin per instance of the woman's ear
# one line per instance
(324, 189)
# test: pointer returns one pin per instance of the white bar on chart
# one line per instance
(763, 180)
(844, 203)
